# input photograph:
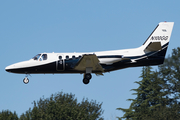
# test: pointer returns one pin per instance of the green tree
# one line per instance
(64, 107)
(150, 96)
(170, 72)
(158, 92)
(8, 115)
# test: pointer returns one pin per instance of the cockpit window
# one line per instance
(40, 58)
(44, 56)
(36, 57)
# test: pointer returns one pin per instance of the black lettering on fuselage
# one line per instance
(159, 37)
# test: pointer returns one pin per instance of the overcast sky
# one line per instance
(29, 27)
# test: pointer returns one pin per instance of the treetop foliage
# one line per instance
(158, 92)
(59, 106)
(8, 115)
(63, 107)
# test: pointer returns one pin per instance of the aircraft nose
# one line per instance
(8, 68)
(17, 67)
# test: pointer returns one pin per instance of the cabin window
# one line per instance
(67, 57)
(60, 57)
(73, 57)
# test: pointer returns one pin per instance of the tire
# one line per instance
(26, 80)
(88, 76)
(85, 81)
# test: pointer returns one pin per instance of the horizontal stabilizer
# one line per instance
(153, 46)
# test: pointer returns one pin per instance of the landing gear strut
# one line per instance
(26, 80)
(87, 78)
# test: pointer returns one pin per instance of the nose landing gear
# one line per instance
(87, 78)
(26, 80)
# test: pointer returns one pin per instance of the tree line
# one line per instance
(157, 97)
(59, 106)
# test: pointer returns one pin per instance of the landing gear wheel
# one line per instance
(88, 76)
(85, 81)
(26, 80)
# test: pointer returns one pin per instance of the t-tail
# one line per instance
(156, 45)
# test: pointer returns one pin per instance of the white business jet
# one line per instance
(152, 52)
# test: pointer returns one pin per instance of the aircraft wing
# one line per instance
(89, 61)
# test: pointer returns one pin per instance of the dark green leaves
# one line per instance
(59, 106)
(62, 106)
(8, 115)
(158, 92)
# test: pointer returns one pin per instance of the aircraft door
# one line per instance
(60, 63)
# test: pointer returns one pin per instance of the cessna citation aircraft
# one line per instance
(152, 52)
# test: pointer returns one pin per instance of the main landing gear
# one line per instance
(87, 77)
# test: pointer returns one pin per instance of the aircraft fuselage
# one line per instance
(152, 52)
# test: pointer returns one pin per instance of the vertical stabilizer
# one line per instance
(159, 37)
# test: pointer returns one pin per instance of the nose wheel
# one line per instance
(26, 80)
(87, 78)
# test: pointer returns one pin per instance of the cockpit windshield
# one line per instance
(40, 57)
(36, 57)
